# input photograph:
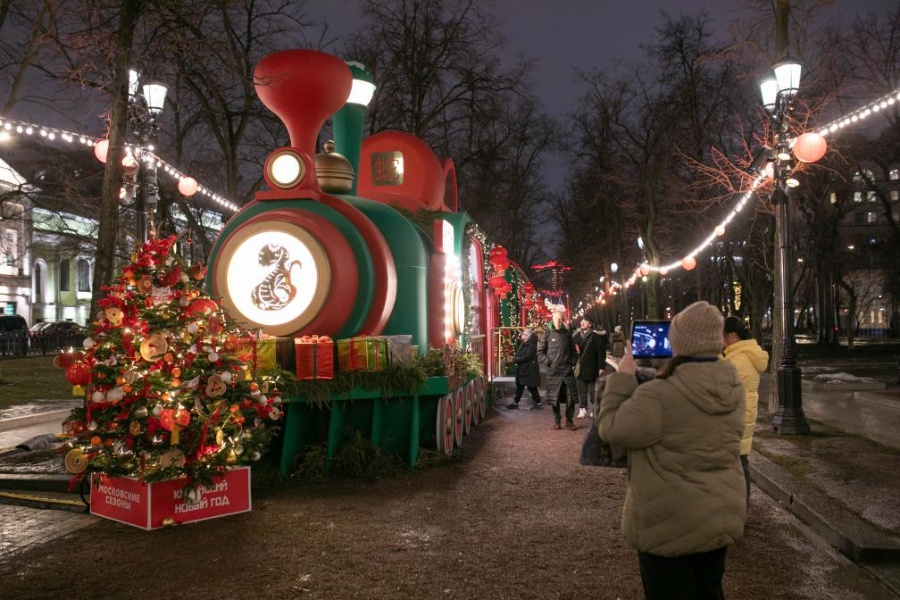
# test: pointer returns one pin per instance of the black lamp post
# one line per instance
(778, 91)
(145, 103)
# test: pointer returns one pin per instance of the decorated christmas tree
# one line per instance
(171, 383)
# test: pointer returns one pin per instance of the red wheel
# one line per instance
(479, 394)
(445, 424)
(476, 409)
(459, 416)
(469, 399)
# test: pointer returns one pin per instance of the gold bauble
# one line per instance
(334, 171)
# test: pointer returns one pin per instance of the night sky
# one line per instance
(569, 35)
(565, 35)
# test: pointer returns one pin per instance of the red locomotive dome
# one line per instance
(398, 168)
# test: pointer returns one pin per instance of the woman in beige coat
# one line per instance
(750, 360)
(685, 500)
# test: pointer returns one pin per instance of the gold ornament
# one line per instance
(76, 461)
(135, 428)
(154, 347)
(172, 458)
(231, 458)
(220, 437)
(114, 316)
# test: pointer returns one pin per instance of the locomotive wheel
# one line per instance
(469, 400)
(476, 409)
(445, 425)
(480, 399)
(459, 416)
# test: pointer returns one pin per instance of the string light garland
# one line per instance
(851, 118)
(10, 127)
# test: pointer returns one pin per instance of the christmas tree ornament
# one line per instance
(76, 461)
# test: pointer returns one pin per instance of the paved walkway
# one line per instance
(837, 480)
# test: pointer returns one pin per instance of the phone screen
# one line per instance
(650, 339)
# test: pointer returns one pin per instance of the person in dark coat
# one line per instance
(592, 357)
(556, 351)
(528, 371)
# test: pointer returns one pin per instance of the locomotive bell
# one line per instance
(333, 171)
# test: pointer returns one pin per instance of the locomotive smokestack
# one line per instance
(303, 88)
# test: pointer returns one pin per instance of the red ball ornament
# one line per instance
(201, 307)
(688, 263)
(810, 147)
(78, 374)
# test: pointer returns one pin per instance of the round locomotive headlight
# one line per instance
(286, 169)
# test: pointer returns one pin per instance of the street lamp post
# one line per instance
(145, 103)
(778, 91)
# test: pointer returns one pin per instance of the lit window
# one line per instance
(894, 174)
(871, 217)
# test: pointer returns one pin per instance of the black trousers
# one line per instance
(535, 395)
(745, 463)
(688, 577)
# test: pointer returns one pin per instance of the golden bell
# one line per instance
(333, 171)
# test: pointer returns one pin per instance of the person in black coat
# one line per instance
(592, 358)
(528, 371)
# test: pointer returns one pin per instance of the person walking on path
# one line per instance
(684, 504)
(591, 358)
(556, 351)
(750, 361)
(528, 371)
(618, 342)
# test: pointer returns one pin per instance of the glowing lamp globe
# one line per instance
(101, 148)
(720, 230)
(688, 263)
(187, 186)
(129, 164)
(810, 147)
(663, 271)
(645, 269)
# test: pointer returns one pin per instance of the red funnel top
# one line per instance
(303, 87)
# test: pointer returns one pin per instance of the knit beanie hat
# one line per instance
(697, 331)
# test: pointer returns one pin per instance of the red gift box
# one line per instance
(315, 357)
(161, 503)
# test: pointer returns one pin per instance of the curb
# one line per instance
(35, 419)
(859, 540)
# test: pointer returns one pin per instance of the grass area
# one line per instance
(31, 379)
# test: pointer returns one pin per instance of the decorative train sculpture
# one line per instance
(367, 241)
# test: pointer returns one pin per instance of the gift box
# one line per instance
(274, 352)
(400, 346)
(363, 354)
(265, 354)
(162, 503)
(314, 357)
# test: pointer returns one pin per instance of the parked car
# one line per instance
(38, 326)
(62, 327)
(13, 335)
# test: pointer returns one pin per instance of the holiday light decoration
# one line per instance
(10, 126)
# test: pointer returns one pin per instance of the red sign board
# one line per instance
(154, 505)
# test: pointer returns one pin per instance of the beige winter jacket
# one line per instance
(750, 360)
(686, 490)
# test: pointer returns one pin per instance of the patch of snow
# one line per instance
(842, 378)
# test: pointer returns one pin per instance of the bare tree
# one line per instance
(439, 74)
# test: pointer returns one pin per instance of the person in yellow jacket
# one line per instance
(750, 361)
